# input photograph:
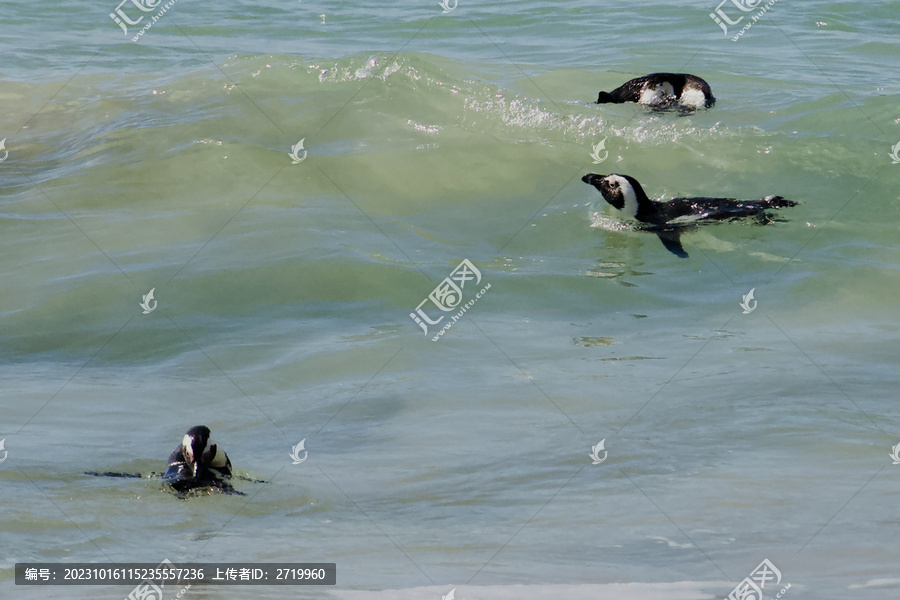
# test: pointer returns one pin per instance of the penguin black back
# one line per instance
(663, 91)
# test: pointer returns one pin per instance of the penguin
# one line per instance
(198, 462)
(663, 91)
(668, 219)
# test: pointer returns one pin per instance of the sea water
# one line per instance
(295, 181)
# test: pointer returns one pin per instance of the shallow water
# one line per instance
(285, 290)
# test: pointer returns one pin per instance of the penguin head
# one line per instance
(606, 98)
(200, 452)
(624, 193)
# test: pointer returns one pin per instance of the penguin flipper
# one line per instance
(671, 239)
(176, 473)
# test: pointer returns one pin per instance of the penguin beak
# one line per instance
(595, 180)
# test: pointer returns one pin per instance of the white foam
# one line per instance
(876, 583)
(671, 544)
(598, 221)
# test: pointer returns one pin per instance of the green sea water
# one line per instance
(284, 288)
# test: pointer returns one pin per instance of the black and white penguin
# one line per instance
(198, 462)
(668, 219)
(663, 91)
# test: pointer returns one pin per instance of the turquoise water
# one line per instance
(284, 294)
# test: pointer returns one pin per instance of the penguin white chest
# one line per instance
(657, 93)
